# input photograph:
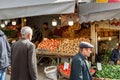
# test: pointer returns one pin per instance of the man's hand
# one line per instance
(9, 70)
(118, 62)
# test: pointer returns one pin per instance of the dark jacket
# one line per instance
(115, 55)
(5, 51)
(24, 65)
(79, 69)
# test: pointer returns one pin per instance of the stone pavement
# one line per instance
(41, 74)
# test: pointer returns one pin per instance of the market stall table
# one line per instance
(52, 55)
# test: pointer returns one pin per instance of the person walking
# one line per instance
(79, 68)
(5, 55)
(24, 66)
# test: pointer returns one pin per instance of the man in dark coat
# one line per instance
(24, 65)
(115, 55)
(5, 55)
(79, 68)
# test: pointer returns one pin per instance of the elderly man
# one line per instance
(23, 57)
(79, 68)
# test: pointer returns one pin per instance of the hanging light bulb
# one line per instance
(99, 38)
(2, 25)
(6, 22)
(24, 19)
(14, 22)
(109, 38)
(60, 17)
(70, 22)
(117, 44)
(54, 22)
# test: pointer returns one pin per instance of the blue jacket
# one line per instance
(115, 55)
(5, 51)
(79, 69)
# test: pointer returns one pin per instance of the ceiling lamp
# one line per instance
(6, 22)
(24, 19)
(70, 22)
(99, 38)
(54, 22)
(2, 25)
(109, 38)
(14, 22)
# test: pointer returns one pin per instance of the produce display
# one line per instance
(70, 46)
(61, 46)
(10, 33)
(84, 32)
(109, 71)
(66, 72)
(70, 32)
(67, 31)
(49, 44)
(59, 31)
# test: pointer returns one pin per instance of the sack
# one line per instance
(51, 72)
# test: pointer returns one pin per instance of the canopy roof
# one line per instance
(24, 8)
(98, 11)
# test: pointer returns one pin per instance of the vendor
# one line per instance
(46, 32)
(115, 55)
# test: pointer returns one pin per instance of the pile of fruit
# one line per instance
(84, 32)
(70, 46)
(62, 46)
(49, 44)
(66, 72)
(71, 30)
(58, 31)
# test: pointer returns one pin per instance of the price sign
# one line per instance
(66, 65)
(99, 66)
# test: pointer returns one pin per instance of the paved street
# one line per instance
(41, 74)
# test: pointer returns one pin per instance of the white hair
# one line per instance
(26, 30)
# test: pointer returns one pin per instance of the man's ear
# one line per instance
(28, 35)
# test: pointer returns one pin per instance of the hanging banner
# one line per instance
(101, 1)
(113, 0)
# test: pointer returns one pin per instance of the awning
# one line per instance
(98, 11)
(24, 8)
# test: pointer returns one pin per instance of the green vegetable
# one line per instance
(109, 71)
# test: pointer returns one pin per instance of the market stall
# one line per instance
(104, 19)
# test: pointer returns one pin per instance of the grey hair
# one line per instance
(26, 30)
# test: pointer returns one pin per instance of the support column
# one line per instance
(23, 22)
(93, 41)
(119, 37)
